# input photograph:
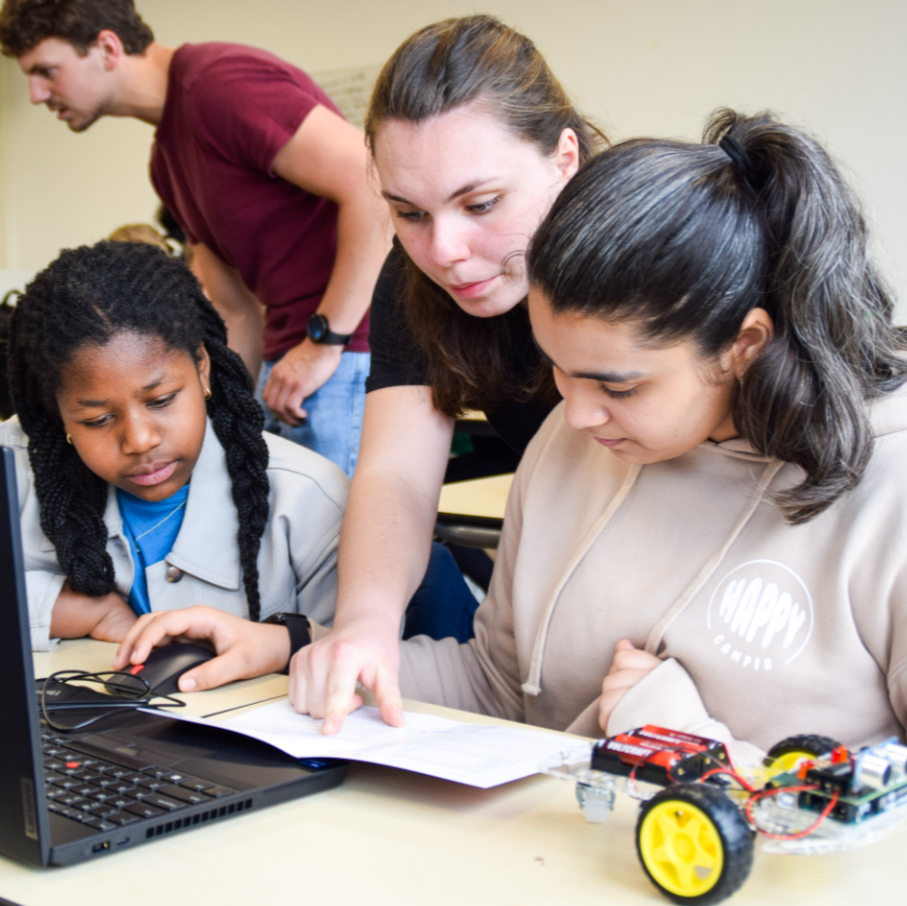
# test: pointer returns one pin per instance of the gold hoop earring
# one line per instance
(69, 439)
(207, 393)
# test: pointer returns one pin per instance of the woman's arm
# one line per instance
(384, 549)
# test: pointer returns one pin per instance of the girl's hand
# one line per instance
(75, 616)
(629, 666)
(244, 649)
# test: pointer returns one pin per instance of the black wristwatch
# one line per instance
(319, 331)
(298, 626)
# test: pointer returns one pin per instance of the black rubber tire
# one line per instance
(808, 742)
(731, 827)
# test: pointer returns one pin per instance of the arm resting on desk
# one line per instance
(107, 617)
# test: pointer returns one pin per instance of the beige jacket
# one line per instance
(766, 630)
(298, 556)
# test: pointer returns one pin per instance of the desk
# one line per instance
(471, 513)
(390, 838)
(485, 497)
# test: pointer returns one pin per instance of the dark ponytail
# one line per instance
(86, 297)
(686, 239)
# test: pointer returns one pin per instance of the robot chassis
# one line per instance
(699, 814)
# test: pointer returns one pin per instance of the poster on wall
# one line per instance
(350, 90)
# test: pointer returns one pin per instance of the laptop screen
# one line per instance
(24, 830)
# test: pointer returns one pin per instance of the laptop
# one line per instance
(128, 779)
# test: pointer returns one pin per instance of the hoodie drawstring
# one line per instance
(532, 686)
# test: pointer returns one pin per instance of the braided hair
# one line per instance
(86, 297)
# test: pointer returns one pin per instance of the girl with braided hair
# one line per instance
(147, 485)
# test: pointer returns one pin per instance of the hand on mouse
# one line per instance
(244, 649)
(629, 666)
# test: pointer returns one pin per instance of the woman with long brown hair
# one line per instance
(710, 532)
(472, 139)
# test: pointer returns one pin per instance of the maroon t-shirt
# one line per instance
(229, 110)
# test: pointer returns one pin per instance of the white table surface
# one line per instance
(392, 837)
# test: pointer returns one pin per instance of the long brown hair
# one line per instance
(438, 69)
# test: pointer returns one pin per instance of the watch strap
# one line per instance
(323, 333)
(298, 626)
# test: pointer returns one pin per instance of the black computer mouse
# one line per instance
(163, 668)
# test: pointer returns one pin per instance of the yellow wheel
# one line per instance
(789, 761)
(694, 844)
(786, 755)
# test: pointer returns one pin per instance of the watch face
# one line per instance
(318, 327)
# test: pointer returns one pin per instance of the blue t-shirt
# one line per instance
(151, 528)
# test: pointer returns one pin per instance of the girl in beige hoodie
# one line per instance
(721, 496)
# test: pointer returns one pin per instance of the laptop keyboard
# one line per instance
(105, 795)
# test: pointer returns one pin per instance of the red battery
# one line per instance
(657, 755)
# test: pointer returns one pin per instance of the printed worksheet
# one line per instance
(479, 755)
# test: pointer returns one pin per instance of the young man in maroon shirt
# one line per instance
(263, 174)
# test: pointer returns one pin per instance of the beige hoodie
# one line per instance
(765, 629)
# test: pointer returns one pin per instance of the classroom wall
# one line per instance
(642, 67)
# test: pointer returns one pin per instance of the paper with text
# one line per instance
(479, 755)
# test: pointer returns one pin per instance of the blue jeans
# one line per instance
(334, 423)
(443, 606)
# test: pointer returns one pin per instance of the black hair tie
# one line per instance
(737, 153)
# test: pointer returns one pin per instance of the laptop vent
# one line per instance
(168, 827)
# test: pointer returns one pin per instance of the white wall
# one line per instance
(638, 66)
